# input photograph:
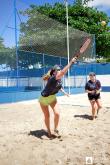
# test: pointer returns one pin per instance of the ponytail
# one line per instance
(49, 74)
(46, 76)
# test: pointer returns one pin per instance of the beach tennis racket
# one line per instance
(83, 47)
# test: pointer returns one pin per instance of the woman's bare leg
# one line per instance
(92, 102)
(45, 110)
(99, 105)
(54, 106)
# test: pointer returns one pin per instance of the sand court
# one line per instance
(24, 141)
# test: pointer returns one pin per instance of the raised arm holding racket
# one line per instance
(48, 95)
(75, 57)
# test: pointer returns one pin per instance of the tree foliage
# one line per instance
(2, 46)
(7, 56)
(81, 17)
(82, 2)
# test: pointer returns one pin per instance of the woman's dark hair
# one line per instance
(55, 68)
(52, 71)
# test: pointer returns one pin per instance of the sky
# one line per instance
(102, 5)
(7, 29)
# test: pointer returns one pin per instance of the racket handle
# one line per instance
(77, 54)
(74, 59)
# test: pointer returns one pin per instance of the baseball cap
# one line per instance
(92, 74)
(56, 67)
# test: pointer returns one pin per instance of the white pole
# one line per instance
(66, 3)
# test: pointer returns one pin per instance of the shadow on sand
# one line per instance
(40, 134)
(85, 116)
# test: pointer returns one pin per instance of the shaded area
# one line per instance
(41, 133)
(85, 116)
(38, 133)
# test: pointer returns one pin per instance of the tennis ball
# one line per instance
(103, 23)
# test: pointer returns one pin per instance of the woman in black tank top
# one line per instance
(93, 88)
(48, 97)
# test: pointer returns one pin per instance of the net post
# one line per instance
(43, 60)
(94, 46)
(16, 44)
(66, 4)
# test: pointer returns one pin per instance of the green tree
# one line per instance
(81, 17)
(7, 56)
(1, 44)
(82, 2)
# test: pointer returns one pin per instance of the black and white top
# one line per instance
(90, 85)
(52, 87)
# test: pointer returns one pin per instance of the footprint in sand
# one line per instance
(58, 161)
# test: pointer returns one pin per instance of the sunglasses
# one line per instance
(92, 75)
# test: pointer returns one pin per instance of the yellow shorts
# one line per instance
(47, 100)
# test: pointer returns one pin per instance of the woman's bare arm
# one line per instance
(65, 69)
